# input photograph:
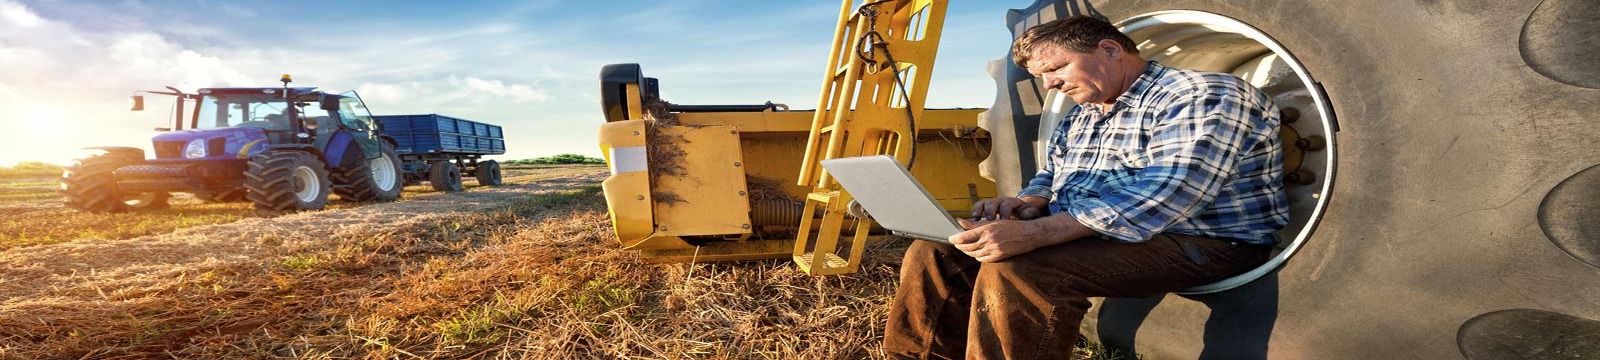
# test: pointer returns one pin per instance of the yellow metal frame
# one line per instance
(860, 113)
(873, 124)
(713, 199)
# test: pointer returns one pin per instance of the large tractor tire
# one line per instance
(287, 181)
(488, 173)
(444, 176)
(229, 196)
(378, 179)
(89, 185)
(1461, 130)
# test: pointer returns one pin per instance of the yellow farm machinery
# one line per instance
(1459, 222)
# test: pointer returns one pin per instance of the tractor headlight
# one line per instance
(195, 150)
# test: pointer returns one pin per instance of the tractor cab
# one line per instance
(286, 116)
(304, 115)
(286, 147)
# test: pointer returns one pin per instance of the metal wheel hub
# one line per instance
(305, 184)
(383, 172)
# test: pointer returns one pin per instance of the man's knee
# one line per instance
(927, 253)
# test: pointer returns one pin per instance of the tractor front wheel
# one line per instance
(378, 179)
(287, 181)
(444, 176)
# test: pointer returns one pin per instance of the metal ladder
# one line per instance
(879, 67)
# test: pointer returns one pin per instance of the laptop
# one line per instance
(894, 199)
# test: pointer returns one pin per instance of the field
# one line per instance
(526, 270)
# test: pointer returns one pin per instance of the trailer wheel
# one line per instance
(488, 173)
(377, 179)
(445, 176)
(287, 181)
(228, 196)
(89, 186)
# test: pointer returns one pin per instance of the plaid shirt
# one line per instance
(1182, 151)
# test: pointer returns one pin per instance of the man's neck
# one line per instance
(1130, 67)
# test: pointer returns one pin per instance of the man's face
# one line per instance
(1087, 78)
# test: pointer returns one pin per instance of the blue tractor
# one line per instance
(284, 149)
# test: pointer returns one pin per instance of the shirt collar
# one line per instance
(1141, 86)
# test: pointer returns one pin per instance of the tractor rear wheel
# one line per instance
(488, 173)
(89, 186)
(377, 179)
(287, 181)
(235, 195)
(445, 176)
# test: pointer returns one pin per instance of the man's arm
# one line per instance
(1034, 198)
(993, 241)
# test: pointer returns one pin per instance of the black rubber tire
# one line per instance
(356, 183)
(488, 173)
(444, 176)
(89, 186)
(1449, 141)
(147, 201)
(235, 195)
(272, 185)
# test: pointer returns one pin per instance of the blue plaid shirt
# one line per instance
(1182, 151)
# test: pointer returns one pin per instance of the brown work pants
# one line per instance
(1029, 306)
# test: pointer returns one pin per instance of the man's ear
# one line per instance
(1111, 48)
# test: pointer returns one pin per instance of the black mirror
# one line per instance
(330, 102)
(136, 103)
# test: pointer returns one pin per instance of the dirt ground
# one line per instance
(526, 270)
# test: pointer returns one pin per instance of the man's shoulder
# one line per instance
(1177, 83)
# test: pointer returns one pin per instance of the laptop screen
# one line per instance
(892, 197)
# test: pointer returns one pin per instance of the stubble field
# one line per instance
(525, 270)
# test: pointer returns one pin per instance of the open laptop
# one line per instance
(893, 198)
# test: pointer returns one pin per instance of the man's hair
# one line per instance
(1079, 33)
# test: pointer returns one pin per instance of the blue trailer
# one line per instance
(438, 149)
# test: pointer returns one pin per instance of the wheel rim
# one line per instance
(305, 184)
(1211, 42)
(383, 173)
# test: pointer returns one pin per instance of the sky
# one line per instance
(68, 67)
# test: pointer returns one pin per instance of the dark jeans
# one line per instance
(1029, 306)
(1238, 328)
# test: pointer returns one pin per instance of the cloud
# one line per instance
(19, 15)
(67, 87)
(149, 54)
(516, 92)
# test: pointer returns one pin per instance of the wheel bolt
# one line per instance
(1289, 115)
(1311, 143)
(1300, 177)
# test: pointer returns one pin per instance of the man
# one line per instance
(1160, 179)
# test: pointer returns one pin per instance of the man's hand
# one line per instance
(1009, 208)
(992, 241)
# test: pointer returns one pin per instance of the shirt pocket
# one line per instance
(1129, 164)
(1133, 159)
